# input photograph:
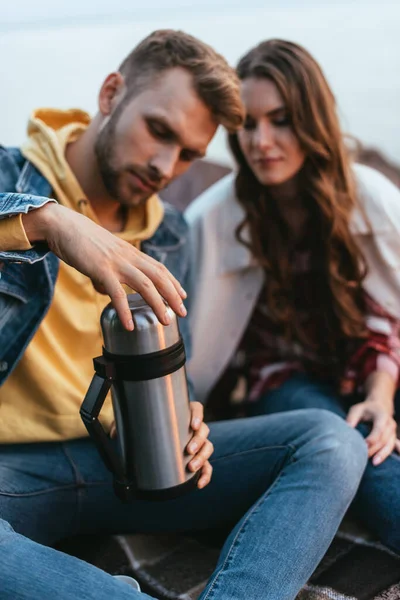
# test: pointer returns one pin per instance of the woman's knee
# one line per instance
(299, 392)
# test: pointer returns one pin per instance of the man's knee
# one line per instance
(342, 447)
(5, 530)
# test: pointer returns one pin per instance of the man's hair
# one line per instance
(214, 81)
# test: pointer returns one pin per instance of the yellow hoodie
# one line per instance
(40, 400)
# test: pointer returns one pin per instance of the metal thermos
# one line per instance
(145, 370)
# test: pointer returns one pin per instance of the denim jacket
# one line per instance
(27, 278)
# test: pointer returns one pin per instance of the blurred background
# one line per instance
(57, 53)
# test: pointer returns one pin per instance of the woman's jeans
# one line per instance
(377, 503)
(284, 482)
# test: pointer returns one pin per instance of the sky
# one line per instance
(58, 53)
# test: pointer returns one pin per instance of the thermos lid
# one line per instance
(149, 335)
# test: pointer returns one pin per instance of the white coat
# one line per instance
(226, 280)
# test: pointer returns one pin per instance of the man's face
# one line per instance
(153, 138)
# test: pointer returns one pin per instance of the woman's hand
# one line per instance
(383, 437)
(200, 446)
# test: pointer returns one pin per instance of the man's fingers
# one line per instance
(198, 440)
(142, 284)
(397, 446)
(197, 410)
(150, 279)
(110, 262)
(206, 474)
(119, 300)
(170, 295)
(201, 456)
(163, 274)
(113, 430)
(167, 286)
(355, 414)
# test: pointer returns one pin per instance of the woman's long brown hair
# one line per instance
(328, 190)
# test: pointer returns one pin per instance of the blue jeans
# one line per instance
(377, 503)
(283, 482)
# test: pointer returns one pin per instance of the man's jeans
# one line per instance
(377, 503)
(284, 482)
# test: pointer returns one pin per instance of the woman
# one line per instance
(297, 272)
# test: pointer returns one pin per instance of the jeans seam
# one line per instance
(61, 488)
(78, 479)
(240, 532)
(79, 485)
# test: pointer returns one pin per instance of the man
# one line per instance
(284, 483)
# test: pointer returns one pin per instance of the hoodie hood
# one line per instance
(49, 132)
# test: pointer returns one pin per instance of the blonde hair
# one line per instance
(214, 81)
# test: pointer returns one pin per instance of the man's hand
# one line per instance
(199, 445)
(383, 437)
(107, 260)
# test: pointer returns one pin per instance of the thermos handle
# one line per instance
(90, 410)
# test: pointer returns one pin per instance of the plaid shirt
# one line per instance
(265, 358)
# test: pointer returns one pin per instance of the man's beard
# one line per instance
(104, 155)
(110, 176)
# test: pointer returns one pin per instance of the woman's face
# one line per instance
(267, 140)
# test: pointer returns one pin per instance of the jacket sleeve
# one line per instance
(379, 351)
(378, 233)
(14, 244)
(380, 216)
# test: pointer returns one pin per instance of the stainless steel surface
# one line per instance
(154, 431)
(152, 416)
(148, 335)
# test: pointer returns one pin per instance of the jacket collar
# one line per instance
(233, 255)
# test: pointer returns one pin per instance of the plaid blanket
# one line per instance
(176, 567)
